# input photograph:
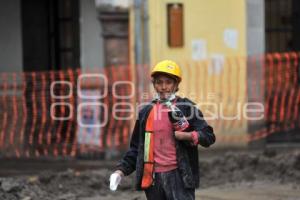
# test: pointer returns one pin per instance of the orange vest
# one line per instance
(147, 179)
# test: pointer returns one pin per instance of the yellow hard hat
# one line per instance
(167, 67)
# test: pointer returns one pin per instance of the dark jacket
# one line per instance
(187, 154)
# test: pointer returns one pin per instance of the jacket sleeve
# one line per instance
(206, 136)
(128, 163)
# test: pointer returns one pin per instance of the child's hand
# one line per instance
(179, 135)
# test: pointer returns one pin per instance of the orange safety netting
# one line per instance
(73, 112)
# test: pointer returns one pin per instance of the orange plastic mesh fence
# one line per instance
(71, 112)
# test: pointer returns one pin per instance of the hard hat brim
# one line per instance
(153, 74)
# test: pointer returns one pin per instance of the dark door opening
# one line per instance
(282, 28)
(282, 22)
(50, 30)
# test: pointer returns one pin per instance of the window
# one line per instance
(68, 33)
(175, 24)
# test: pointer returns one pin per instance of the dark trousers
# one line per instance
(169, 186)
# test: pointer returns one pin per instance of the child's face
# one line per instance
(164, 85)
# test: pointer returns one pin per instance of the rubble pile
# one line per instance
(230, 167)
(250, 167)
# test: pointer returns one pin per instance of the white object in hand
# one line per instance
(114, 179)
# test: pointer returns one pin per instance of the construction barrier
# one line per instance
(279, 91)
(64, 113)
(74, 112)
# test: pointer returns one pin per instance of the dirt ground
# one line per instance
(235, 175)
